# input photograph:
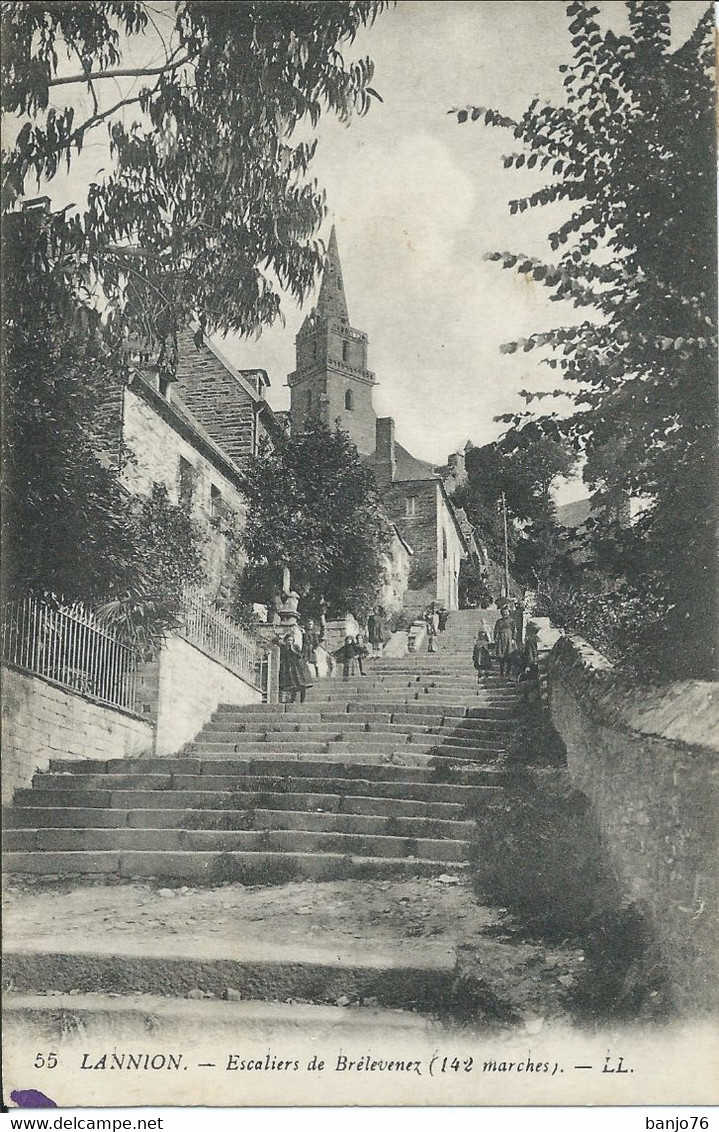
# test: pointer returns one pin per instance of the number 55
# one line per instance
(46, 1061)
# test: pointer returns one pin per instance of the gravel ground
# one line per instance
(409, 922)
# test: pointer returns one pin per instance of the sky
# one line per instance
(418, 200)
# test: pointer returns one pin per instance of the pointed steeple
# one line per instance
(332, 303)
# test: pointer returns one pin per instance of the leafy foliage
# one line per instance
(632, 152)
(313, 506)
(208, 207)
(605, 614)
(69, 527)
(524, 465)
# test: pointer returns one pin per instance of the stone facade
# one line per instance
(41, 720)
(162, 445)
(417, 503)
(656, 800)
(331, 382)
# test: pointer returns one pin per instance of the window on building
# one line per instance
(410, 506)
(345, 351)
(215, 504)
(444, 544)
(349, 400)
(186, 483)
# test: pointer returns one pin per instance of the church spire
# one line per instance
(332, 304)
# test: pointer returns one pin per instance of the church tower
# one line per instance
(331, 381)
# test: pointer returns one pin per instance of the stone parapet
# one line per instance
(647, 760)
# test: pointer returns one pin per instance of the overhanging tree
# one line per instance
(69, 528)
(208, 209)
(631, 152)
(313, 506)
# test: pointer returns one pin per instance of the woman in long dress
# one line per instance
(294, 672)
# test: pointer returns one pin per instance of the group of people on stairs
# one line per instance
(513, 649)
(299, 648)
(514, 655)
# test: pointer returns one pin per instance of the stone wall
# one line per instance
(655, 798)
(41, 720)
(190, 687)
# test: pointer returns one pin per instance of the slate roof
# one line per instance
(410, 468)
(221, 398)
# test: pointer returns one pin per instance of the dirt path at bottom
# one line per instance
(422, 922)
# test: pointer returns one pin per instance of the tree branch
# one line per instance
(122, 72)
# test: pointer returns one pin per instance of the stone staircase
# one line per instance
(375, 776)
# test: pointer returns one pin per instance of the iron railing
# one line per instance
(221, 638)
(67, 644)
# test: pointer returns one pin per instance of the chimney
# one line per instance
(385, 463)
(457, 474)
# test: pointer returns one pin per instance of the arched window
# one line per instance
(349, 400)
(444, 544)
(345, 350)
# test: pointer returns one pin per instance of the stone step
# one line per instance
(47, 840)
(336, 750)
(409, 754)
(311, 820)
(468, 682)
(416, 717)
(215, 868)
(282, 766)
(308, 800)
(334, 730)
(422, 695)
(124, 791)
(402, 730)
(272, 977)
(134, 1015)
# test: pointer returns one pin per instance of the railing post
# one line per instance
(273, 674)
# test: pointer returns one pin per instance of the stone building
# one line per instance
(331, 383)
(416, 500)
(194, 436)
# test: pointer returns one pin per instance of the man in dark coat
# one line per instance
(505, 640)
